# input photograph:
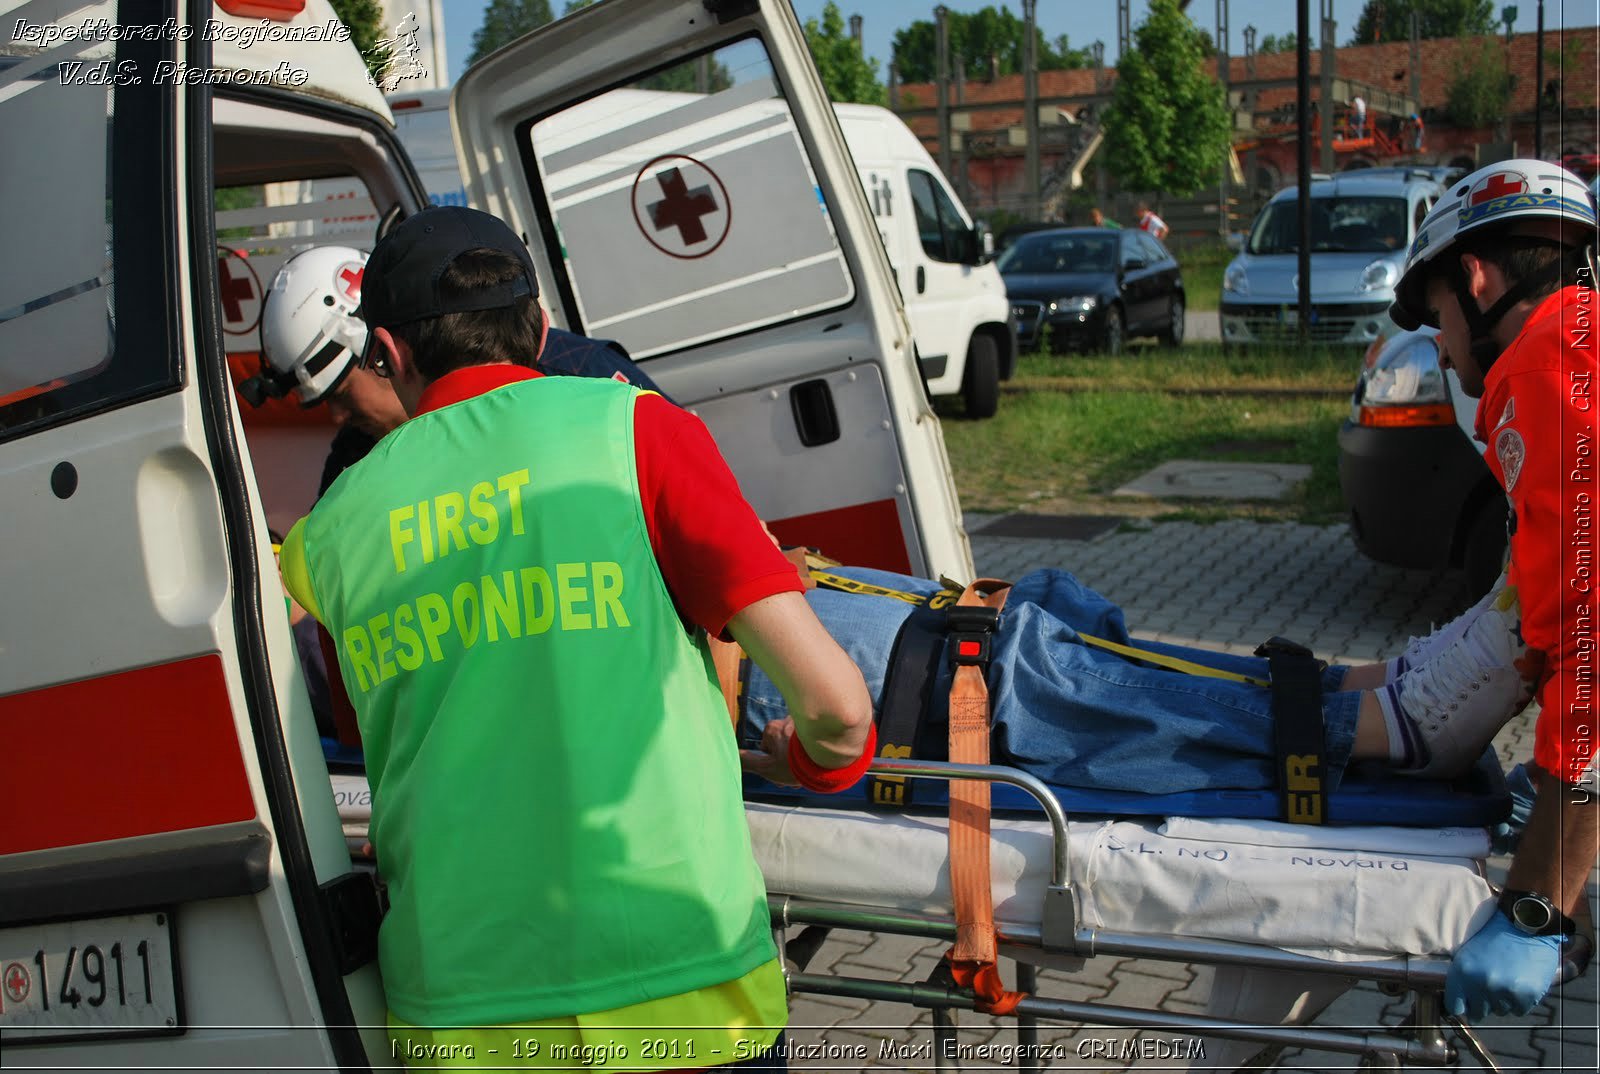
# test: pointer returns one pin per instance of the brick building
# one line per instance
(987, 156)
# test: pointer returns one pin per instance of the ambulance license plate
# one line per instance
(88, 979)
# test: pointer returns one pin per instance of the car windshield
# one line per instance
(1061, 253)
(1338, 225)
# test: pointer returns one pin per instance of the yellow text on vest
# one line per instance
(517, 603)
(437, 524)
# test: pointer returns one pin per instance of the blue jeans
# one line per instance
(1077, 716)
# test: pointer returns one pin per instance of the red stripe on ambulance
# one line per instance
(138, 752)
(863, 535)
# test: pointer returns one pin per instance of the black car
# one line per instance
(1419, 492)
(1093, 288)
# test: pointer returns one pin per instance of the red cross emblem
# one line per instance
(349, 281)
(240, 290)
(18, 984)
(1496, 186)
(681, 206)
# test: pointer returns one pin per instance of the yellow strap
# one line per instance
(851, 585)
(947, 597)
(1188, 667)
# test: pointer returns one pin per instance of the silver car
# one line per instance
(1361, 227)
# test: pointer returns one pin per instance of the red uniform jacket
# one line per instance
(1538, 417)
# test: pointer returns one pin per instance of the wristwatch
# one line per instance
(1534, 914)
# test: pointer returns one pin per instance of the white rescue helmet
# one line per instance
(1527, 198)
(310, 335)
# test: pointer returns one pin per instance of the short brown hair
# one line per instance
(440, 345)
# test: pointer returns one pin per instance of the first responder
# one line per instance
(508, 577)
(1503, 267)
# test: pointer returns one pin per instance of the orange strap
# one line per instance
(725, 657)
(973, 958)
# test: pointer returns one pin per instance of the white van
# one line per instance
(175, 889)
(966, 341)
(960, 318)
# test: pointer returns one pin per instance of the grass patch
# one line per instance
(1147, 366)
(1202, 266)
(1070, 430)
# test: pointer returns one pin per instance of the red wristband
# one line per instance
(813, 777)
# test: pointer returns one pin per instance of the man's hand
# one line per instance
(771, 761)
(1501, 970)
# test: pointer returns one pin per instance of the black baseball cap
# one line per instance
(401, 282)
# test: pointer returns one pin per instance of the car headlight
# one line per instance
(1075, 304)
(1234, 281)
(1404, 386)
(1379, 276)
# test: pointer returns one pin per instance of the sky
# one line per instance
(1083, 21)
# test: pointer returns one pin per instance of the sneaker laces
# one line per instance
(1432, 691)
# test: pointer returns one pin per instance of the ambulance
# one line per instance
(175, 888)
(956, 301)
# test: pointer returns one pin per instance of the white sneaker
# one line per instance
(1419, 651)
(1460, 698)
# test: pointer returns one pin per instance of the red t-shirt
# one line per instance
(714, 553)
(1538, 418)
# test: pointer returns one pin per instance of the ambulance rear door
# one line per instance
(173, 878)
(686, 191)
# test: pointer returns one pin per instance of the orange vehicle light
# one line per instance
(1391, 417)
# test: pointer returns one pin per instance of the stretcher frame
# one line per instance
(1067, 942)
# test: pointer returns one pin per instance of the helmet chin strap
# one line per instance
(1481, 323)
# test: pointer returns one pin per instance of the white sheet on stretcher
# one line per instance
(1363, 897)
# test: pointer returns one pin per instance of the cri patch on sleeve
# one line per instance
(1509, 449)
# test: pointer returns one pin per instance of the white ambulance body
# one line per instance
(954, 296)
(175, 889)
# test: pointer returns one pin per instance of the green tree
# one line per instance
(1167, 125)
(1390, 20)
(1273, 43)
(365, 21)
(506, 20)
(1480, 90)
(974, 38)
(847, 75)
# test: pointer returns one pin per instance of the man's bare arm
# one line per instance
(1559, 845)
(822, 687)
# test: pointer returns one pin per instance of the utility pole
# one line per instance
(941, 48)
(1030, 105)
(1326, 94)
(1416, 59)
(1227, 101)
(1303, 180)
(1538, 86)
(1250, 108)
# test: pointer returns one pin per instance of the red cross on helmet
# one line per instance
(310, 335)
(1533, 198)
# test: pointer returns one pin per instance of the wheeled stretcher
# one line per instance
(1290, 914)
(1282, 910)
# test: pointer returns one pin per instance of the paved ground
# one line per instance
(1229, 586)
(1202, 325)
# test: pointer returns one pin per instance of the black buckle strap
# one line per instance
(972, 628)
(1298, 732)
(907, 691)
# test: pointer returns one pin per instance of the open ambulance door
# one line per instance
(167, 898)
(685, 188)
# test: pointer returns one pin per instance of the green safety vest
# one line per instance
(556, 794)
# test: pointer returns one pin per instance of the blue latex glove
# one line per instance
(1501, 970)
